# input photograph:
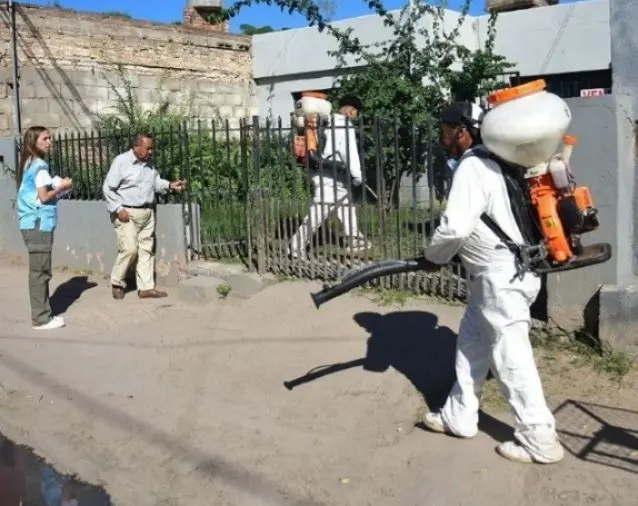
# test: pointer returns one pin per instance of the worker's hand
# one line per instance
(123, 215)
(357, 181)
(178, 185)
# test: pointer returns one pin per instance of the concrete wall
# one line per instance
(304, 51)
(70, 68)
(549, 40)
(85, 238)
(544, 40)
(602, 160)
(624, 47)
(624, 16)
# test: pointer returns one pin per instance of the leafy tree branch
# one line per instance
(406, 78)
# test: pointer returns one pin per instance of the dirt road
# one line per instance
(164, 404)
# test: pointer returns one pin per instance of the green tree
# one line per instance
(255, 30)
(406, 79)
(328, 8)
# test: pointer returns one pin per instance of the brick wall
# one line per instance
(195, 19)
(73, 65)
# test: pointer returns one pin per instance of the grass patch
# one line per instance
(583, 350)
(224, 290)
(492, 398)
(387, 296)
(395, 297)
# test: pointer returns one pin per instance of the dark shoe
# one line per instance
(151, 294)
(118, 292)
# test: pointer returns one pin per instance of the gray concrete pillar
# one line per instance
(623, 20)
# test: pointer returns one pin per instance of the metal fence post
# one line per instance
(261, 238)
(17, 113)
(244, 131)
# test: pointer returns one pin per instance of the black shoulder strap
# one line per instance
(496, 228)
(519, 200)
(531, 254)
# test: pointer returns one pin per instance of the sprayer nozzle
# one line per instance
(313, 296)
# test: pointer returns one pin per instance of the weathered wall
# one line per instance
(85, 238)
(602, 160)
(70, 68)
(624, 47)
(623, 17)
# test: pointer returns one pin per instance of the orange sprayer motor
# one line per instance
(565, 210)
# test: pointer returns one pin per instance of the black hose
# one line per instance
(362, 275)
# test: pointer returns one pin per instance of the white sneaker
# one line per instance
(513, 451)
(56, 322)
(434, 422)
(359, 244)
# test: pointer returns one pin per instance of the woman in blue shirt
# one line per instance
(37, 201)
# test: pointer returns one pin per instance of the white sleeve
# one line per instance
(328, 148)
(161, 185)
(353, 152)
(468, 199)
(112, 182)
(43, 178)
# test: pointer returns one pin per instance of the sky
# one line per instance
(167, 11)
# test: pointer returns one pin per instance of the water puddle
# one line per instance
(26, 480)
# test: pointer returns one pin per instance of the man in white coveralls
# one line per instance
(331, 192)
(494, 331)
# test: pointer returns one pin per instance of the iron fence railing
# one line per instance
(253, 197)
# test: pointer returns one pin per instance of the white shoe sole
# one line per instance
(521, 456)
(434, 426)
(55, 323)
(437, 425)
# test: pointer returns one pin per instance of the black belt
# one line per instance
(143, 206)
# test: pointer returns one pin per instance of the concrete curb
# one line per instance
(210, 281)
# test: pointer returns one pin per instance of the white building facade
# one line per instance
(567, 45)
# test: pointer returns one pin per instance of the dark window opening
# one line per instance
(571, 84)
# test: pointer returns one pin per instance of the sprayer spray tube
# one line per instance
(362, 275)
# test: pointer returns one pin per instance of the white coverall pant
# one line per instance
(494, 332)
(329, 194)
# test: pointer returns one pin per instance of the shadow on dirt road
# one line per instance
(412, 343)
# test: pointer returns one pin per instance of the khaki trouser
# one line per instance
(135, 240)
(39, 245)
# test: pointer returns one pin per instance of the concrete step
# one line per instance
(202, 289)
(213, 280)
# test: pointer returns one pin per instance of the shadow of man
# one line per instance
(68, 292)
(415, 345)
(411, 342)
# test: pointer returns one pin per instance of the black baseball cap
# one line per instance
(352, 101)
(463, 113)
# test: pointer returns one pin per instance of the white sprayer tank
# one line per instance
(311, 104)
(526, 124)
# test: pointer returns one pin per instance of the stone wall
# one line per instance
(193, 18)
(75, 65)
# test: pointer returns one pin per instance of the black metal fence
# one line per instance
(251, 197)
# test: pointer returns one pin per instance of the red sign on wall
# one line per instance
(592, 92)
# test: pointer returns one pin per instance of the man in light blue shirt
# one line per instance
(129, 190)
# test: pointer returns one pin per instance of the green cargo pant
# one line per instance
(40, 245)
